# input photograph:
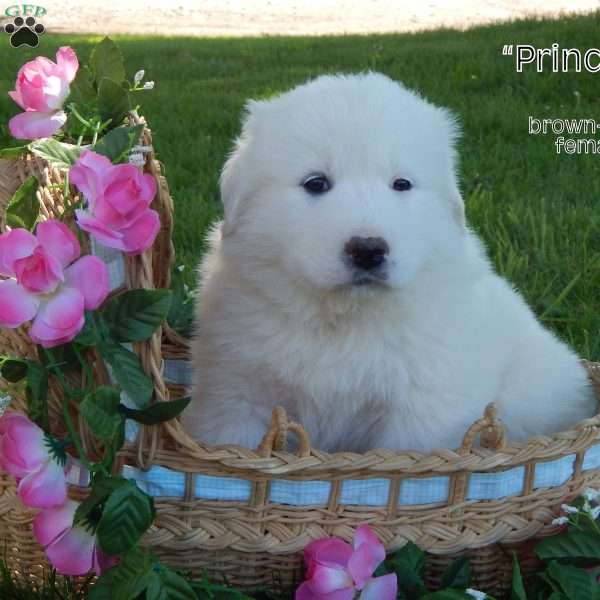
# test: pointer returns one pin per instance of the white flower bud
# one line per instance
(137, 78)
(137, 159)
(591, 495)
(476, 594)
(560, 521)
(149, 85)
(595, 512)
(570, 510)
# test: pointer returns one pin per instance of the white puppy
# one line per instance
(345, 286)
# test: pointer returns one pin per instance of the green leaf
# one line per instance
(100, 409)
(574, 583)
(58, 154)
(13, 369)
(82, 88)
(128, 373)
(113, 101)
(117, 143)
(106, 61)
(127, 580)
(24, 207)
(518, 589)
(13, 152)
(37, 394)
(127, 514)
(156, 413)
(571, 544)
(408, 564)
(95, 331)
(135, 315)
(458, 574)
(168, 585)
(102, 488)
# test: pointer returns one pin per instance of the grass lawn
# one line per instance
(538, 212)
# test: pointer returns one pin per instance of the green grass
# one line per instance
(538, 212)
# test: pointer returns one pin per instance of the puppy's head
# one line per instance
(343, 182)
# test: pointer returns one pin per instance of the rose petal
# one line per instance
(44, 488)
(10, 417)
(364, 536)
(141, 235)
(381, 588)
(361, 566)
(88, 173)
(14, 245)
(60, 319)
(66, 59)
(73, 553)
(105, 235)
(89, 275)
(17, 305)
(305, 592)
(330, 552)
(16, 96)
(39, 273)
(327, 579)
(59, 241)
(22, 448)
(32, 125)
(49, 524)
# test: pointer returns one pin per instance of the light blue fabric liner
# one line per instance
(209, 487)
(114, 261)
(177, 371)
(424, 490)
(365, 492)
(553, 473)
(300, 493)
(591, 459)
(157, 481)
(492, 486)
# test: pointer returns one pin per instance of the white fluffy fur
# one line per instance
(407, 365)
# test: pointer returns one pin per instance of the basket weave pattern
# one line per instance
(257, 543)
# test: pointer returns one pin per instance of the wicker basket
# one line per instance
(253, 539)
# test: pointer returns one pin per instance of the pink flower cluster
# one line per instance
(338, 571)
(48, 282)
(41, 90)
(118, 212)
(25, 454)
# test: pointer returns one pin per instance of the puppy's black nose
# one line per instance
(367, 253)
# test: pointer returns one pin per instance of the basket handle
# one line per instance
(490, 429)
(276, 437)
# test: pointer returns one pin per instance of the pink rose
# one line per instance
(118, 212)
(41, 90)
(47, 284)
(72, 550)
(24, 454)
(336, 570)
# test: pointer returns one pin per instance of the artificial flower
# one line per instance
(337, 571)
(72, 549)
(41, 90)
(24, 453)
(118, 212)
(48, 283)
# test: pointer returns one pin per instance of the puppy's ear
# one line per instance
(231, 186)
(234, 176)
(453, 133)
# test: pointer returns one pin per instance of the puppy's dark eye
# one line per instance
(316, 184)
(401, 184)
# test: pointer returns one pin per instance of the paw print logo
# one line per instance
(24, 32)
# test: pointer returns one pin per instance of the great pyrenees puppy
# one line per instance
(345, 286)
